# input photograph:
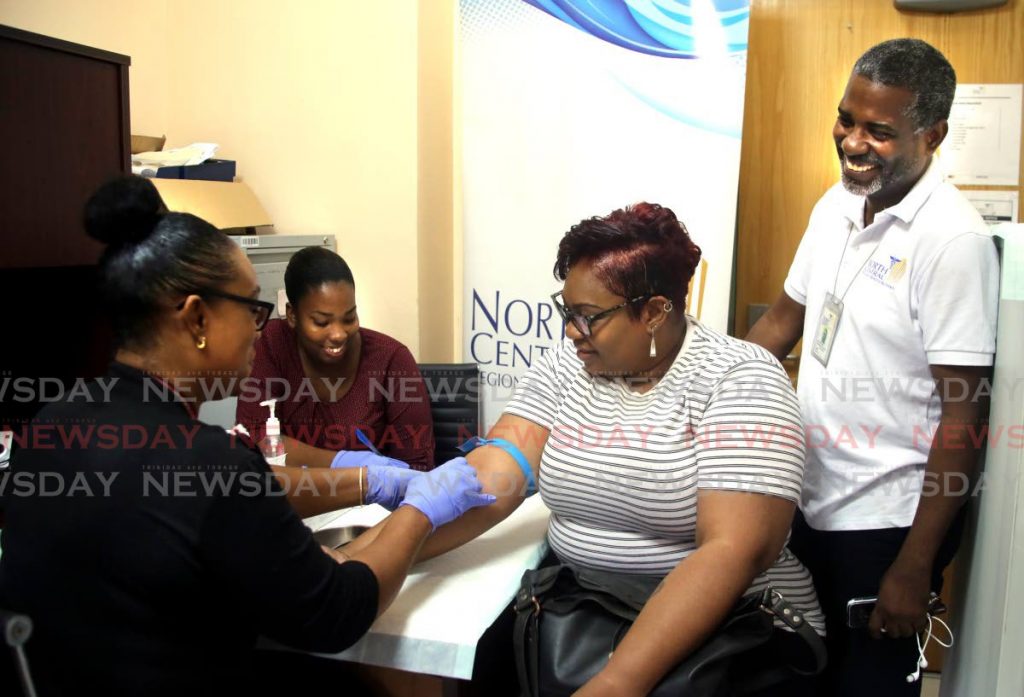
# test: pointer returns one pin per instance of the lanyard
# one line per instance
(849, 233)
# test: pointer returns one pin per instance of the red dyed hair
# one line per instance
(639, 250)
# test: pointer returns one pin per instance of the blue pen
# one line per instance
(361, 437)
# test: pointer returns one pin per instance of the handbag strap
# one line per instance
(524, 633)
(774, 604)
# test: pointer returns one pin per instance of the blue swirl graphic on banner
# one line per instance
(656, 27)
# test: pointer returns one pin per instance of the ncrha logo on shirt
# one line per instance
(886, 274)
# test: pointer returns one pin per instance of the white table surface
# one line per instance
(448, 602)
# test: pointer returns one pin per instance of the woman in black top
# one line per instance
(171, 546)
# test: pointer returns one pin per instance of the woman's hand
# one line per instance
(386, 477)
(444, 494)
(364, 458)
(386, 485)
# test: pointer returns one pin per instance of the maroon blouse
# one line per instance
(388, 399)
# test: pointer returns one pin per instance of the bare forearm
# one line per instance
(902, 605)
(459, 532)
(315, 491)
(952, 462)
(739, 535)
(455, 534)
(398, 540)
(365, 540)
(302, 455)
(499, 475)
(779, 329)
(679, 617)
(763, 334)
(948, 480)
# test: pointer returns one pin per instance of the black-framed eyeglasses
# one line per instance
(261, 309)
(583, 323)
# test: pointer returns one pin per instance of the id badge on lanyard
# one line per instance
(828, 325)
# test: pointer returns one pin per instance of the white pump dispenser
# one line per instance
(272, 445)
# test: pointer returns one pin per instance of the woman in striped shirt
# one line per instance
(661, 446)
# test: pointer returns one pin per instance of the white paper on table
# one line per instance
(983, 144)
(194, 154)
(448, 602)
(995, 206)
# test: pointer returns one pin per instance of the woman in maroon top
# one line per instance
(332, 378)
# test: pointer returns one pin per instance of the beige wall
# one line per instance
(129, 27)
(440, 257)
(318, 101)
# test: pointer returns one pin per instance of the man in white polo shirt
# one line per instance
(894, 290)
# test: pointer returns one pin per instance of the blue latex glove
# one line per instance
(387, 485)
(447, 492)
(364, 458)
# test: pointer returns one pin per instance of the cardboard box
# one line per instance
(228, 206)
(147, 144)
(211, 170)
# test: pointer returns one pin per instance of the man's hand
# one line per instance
(902, 609)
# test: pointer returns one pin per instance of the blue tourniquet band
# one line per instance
(476, 441)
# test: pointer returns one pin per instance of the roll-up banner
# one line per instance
(571, 109)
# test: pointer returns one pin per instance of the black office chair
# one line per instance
(454, 392)
(16, 631)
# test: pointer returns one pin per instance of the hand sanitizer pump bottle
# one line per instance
(272, 446)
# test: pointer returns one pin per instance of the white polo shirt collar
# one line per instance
(852, 205)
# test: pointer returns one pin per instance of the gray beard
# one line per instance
(858, 189)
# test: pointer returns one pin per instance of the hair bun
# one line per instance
(123, 211)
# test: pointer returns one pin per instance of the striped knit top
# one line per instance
(620, 470)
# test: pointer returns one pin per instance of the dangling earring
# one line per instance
(654, 348)
(201, 344)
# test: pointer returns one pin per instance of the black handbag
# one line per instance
(570, 619)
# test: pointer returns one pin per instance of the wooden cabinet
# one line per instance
(64, 120)
(65, 130)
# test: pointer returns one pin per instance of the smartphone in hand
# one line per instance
(858, 610)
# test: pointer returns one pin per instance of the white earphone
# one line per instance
(922, 662)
